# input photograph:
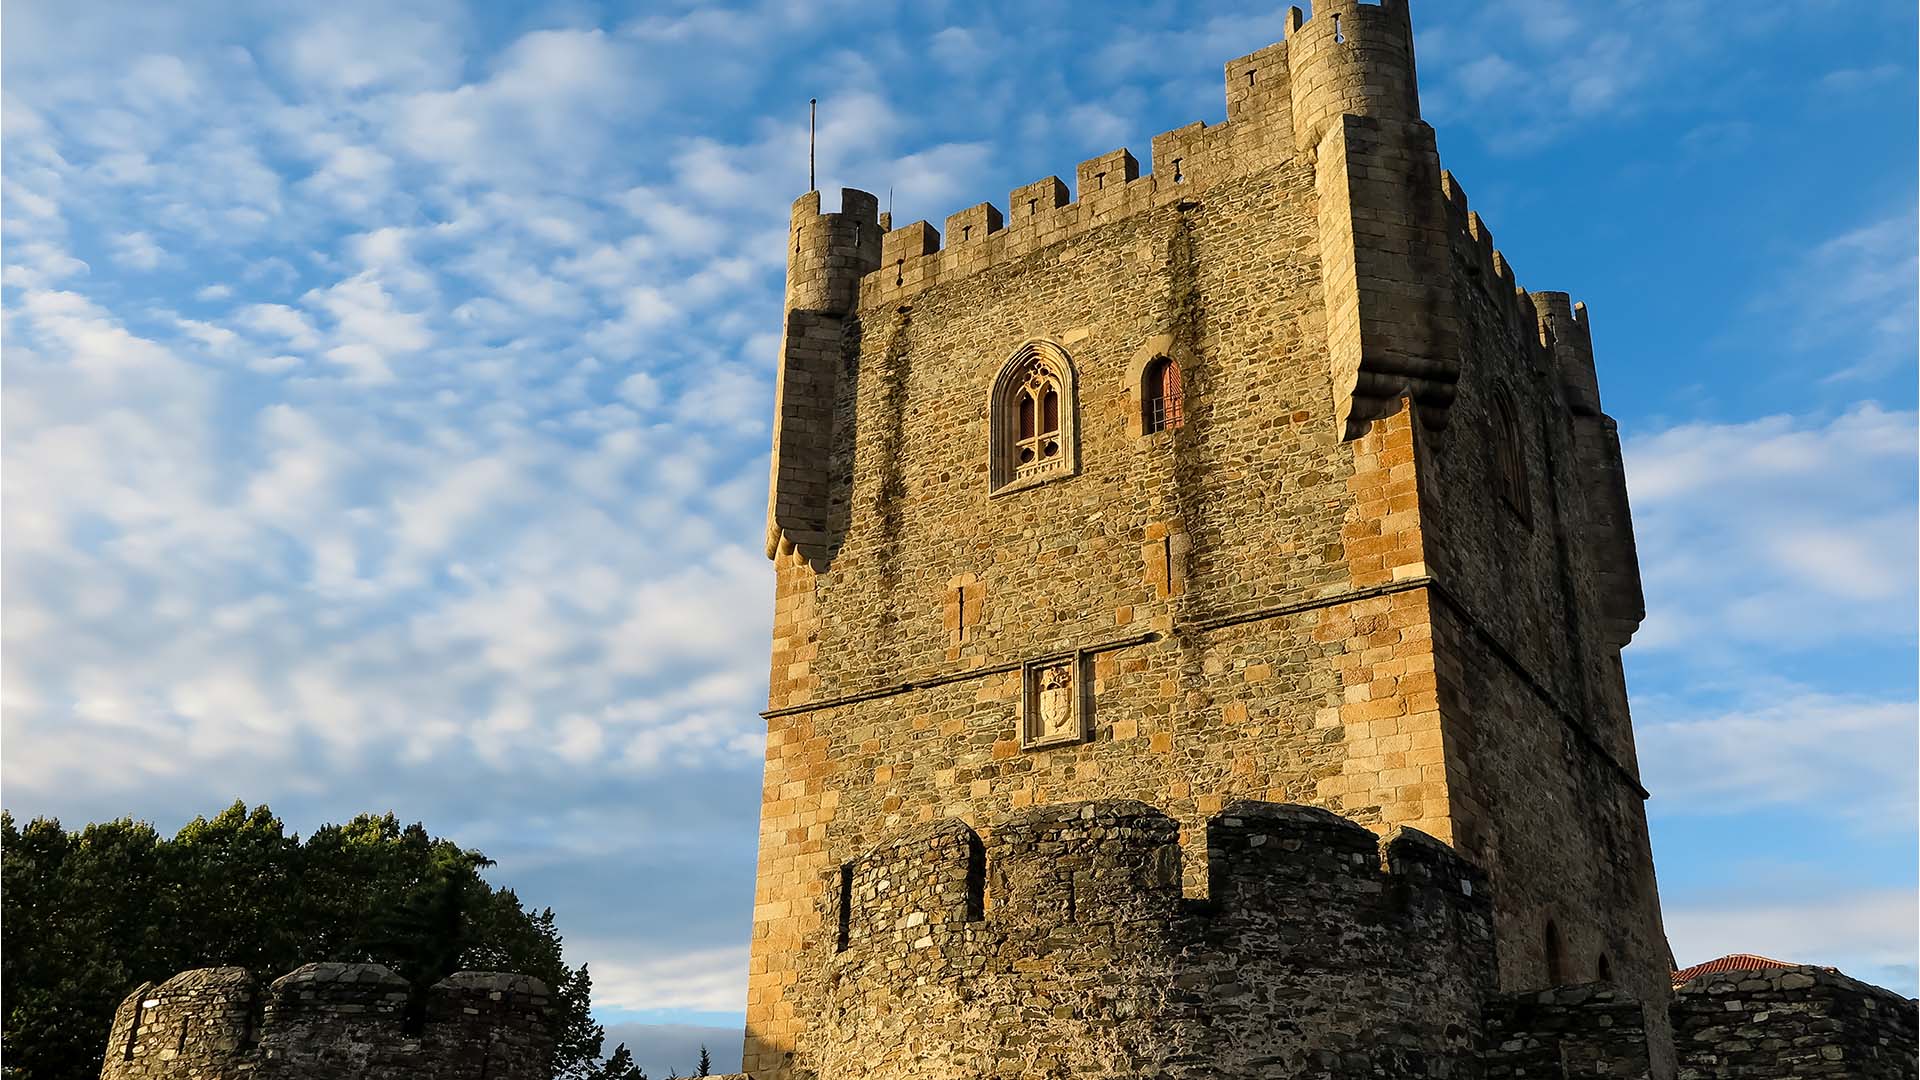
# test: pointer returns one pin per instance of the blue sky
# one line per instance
(387, 384)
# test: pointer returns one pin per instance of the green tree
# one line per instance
(86, 916)
(620, 1066)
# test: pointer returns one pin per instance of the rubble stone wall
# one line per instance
(1579, 1032)
(1798, 1022)
(1064, 945)
(330, 1022)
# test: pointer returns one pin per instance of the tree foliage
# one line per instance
(86, 916)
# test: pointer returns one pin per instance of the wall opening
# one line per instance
(1556, 955)
(133, 1029)
(844, 932)
(1161, 408)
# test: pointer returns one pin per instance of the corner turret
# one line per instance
(827, 256)
(1350, 59)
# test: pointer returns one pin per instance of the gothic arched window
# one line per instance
(1510, 457)
(1033, 418)
(1160, 400)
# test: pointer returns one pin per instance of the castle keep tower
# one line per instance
(1255, 479)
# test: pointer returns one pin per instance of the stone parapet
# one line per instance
(1797, 1021)
(1062, 943)
(1587, 1032)
(331, 1021)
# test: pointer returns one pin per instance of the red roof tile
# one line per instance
(1735, 962)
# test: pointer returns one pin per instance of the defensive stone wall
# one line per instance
(1062, 944)
(1584, 1032)
(331, 1022)
(1798, 1022)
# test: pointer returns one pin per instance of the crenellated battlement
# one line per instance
(330, 1020)
(1352, 58)
(1488, 265)
(1046, 869)
(1077, 910)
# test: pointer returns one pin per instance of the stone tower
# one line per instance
(1254, 479)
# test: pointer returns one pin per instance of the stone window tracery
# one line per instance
(1033, 418)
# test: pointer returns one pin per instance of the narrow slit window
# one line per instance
(133, 1030)
(844, 931)
(1556, 956)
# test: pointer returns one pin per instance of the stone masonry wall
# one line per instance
(1305, 593)
(1548, 795)
(1799, 1022)
(330, 1022)
(1585, 1032)
(1065, 946)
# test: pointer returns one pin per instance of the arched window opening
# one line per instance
(1162, 407)
(1556, 956)
(1510, 457)
(1032, 420)
(1605, 968)
(1037, 448)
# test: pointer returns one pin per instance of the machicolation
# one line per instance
(331, 1021)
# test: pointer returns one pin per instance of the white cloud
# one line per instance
(289, 325)
(1869, 935)
(1776, 534)
(1851, 756)
(365, 315)
(706, 980)
(640, 390)
(37, 265)
(137, 251)
(363, 48)
(160, 82)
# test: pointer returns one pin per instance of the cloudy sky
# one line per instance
(387, 385)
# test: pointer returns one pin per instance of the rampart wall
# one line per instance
(1799, 1022)
(331, 1021)
(1064, 945)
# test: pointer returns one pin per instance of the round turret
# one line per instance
(1350, 58)
(197, 1020)
(827, 254)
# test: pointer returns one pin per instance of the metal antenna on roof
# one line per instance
(813, 111)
